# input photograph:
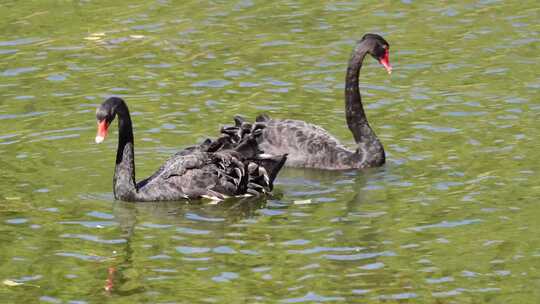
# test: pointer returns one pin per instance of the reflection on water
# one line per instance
(450, 218)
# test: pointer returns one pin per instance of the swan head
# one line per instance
(379, 49)
(105, 114)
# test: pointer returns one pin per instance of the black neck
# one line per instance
(124, 172)
(354, 111)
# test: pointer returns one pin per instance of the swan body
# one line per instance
(311, 146)
(215, 169)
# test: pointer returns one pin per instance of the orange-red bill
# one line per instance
(385, 61)
(102, 128)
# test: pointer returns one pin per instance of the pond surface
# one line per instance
(451, 218)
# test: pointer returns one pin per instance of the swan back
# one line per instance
(307, 145)
(216, 169)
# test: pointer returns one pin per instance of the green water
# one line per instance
(451, 218)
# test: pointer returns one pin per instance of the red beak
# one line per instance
(103, 126)
(385, 61)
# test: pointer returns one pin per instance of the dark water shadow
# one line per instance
(292, 183)
(128, 216)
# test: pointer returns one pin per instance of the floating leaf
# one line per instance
(11, 283)
(303, 202)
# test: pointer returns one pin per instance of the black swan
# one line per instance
(228, 166)
(311, 146)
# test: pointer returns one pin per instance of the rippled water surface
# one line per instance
(451, 218)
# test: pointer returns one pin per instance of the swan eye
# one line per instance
(383, 50)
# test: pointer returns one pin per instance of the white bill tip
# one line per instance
(99, 139)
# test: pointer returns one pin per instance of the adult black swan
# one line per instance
(215, 169)
(311, 146)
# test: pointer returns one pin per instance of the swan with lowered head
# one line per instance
(215, 169)
(311, 146)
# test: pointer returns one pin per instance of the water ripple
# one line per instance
(196, 217)
(437, 129)
(192, 250)
(18, 71)
(80, 256)
(224, 250)
(92, 238)
(372, 266)
(192, 231)
(22, 41)
(439, 280)
(100, 215)
(325, 249)
(215, 83)
(17, 221)
(225, 277)
(446, 224)
(49, 299)
(312, 298)
(7, 52)
(360, 256)
(90, 224)
(399, 296)
(14, 116)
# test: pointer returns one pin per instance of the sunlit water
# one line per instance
(451, 218)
